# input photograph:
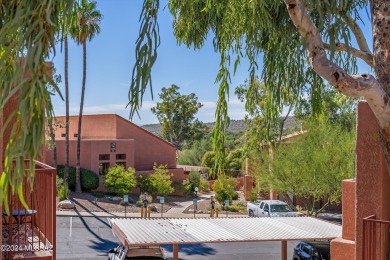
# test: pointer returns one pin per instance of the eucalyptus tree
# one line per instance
(87, 21)
(28, 31)
(300, 42)
(176, 114)
(311, 167)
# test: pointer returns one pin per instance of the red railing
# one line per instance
(31, 232)
(376, 239)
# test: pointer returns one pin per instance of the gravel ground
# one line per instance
(86, 202)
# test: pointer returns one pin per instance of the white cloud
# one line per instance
(208, 104)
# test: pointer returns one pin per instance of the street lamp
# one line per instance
(196, 189)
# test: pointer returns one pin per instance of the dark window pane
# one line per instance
(121, 156)
(104, 157)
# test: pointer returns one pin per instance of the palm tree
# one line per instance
(67, 27)
(88, 20)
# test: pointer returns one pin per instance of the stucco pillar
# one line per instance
(372, 177)
(343, 248)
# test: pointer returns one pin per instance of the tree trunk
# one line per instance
(66, 172)
(381, 32)
(78, 182)
(375, 91)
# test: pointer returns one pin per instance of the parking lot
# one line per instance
(90, 238)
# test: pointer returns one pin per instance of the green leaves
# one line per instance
(176, 113)
(145, 55)
(27, 35)
(312, 165)
(119, 180)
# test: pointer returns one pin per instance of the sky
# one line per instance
(110, 59)
(111, 56)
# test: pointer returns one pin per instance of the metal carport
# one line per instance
(175, 231)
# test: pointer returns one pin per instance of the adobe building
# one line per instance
(108, 139)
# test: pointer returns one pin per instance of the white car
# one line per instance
(136, 252)
(270, 208)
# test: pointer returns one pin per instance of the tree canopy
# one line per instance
(301, 43)
(176, 114)
(311, 166)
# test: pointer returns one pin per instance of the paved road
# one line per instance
(89, 238)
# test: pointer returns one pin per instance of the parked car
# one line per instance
(269, 208)
(312, 250)
(138, 252)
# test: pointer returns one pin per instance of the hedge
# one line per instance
(89, 179)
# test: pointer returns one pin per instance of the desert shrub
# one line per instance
(235, 196)
(204, 185)
(149, 198)
(59, 183)
(89, 179)
(237, 208)
(119, 180)
(63, 192)
(144, 184)
(139, 203)
(161, 180)
(224, 189)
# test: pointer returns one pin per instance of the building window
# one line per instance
(63, 135)
(75, 135)
(121, 156)
(103, 168)
(104, 157)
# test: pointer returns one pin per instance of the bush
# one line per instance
(224, 189)
(237, 208)
(235, 196)
(59, 183)
(149, 198)
(89, 179)
(204, 185)
(119, 180)
(63, 192)
(161, 180)
(144, 184)
(139, 203)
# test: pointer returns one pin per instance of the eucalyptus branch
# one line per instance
(367, 57)
(357, 31)
(351, 85)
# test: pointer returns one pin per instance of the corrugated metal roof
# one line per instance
(137, 231)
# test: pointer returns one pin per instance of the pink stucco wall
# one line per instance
(372, 177)
(141, 147)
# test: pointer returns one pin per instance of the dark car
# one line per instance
(136, 252)
(312, 250)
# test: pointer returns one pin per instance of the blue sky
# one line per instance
(110, 59)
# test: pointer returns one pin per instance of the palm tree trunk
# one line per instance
(66, 173)
(78, 183)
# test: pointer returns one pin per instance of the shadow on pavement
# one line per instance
(99, 244)
(191, 249)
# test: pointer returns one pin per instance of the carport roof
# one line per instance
(137, 231)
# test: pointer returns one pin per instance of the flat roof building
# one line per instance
(108, 139)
